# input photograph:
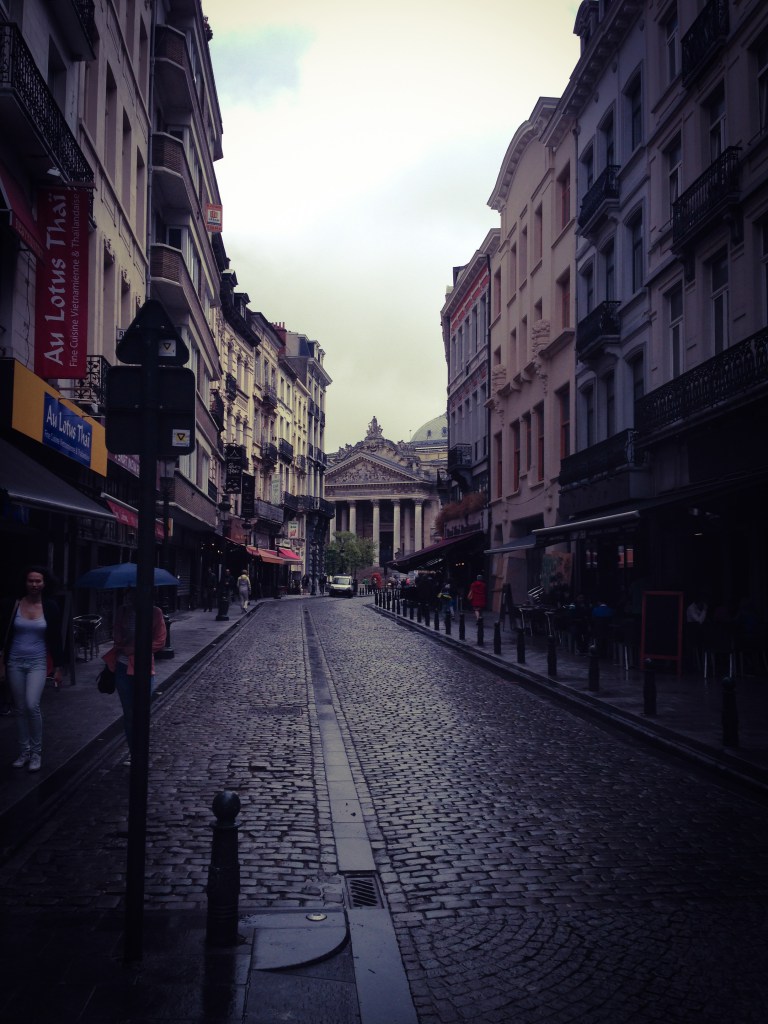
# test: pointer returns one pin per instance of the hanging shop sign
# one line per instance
(61, 294)
(214, 217)
(234, 457)
(248, 496)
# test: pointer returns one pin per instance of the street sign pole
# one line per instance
(139, 778)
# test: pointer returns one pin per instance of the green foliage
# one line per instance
(347, 553)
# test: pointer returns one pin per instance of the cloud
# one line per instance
(259, 65)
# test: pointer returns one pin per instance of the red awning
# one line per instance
(20, 216)
(130, 517)
(290, 555)
(271, 557)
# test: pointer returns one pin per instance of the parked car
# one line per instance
(341, 586)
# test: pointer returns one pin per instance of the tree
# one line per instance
(347, 553)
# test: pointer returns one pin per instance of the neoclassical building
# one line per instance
(389, 491)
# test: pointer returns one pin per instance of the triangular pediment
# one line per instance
(368, 470)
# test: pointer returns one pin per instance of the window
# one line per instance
(715, 106)
(762, 83)
(673, 159)
(564, 196)
(588, 288)
(516, 456)
(513, 359)
(496, 298)
(497, 450)
(540, 442)
(671, 46)
(127, 164)
(538, 234)
(637, 254)
(608, 141)
(564, 409)
(524, 253)
(513, 270)
(110, 124)
(523, 353)
(719, 281)
(637, 377)
(564, 299)
(528, 441)
(634, 104)
(588, 410)
(609, 394)
(608, 256)
(674, 302)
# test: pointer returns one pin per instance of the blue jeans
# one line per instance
(26, 679)
(124, 686)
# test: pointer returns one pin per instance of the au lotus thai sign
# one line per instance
(61, 303)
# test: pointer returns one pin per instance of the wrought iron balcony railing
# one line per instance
(267, 511)
(291, 502)
(607, 456)
(285, 450)
(727, 377)
(300, 462)
(705, 36)
(314, 409)
(216, 409)
(20, 77)
(602, 325)
(230, 386)
(714, 190)
(269, 396)
(269, 453)
(603, 193)
(213, 491)
(460, 455)
(89, 391)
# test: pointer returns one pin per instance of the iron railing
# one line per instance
(459, 455)
(300, 462)
(712, 190)
(705, 36)
(230, 386)
(291, 501)
(20, 75)
(89, 390)
(726, 377)
(267, 511)
(607, 456)
(269, 453)
(601, 325)
(603, 190)
(269, 397)
(216, 409)
(285, 450)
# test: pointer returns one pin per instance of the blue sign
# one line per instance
(67, 432)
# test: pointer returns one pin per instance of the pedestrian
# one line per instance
(209, 590)
(305, 584)
(32, 649)
(120, 657)
(477, 596)
(322, 581)
(244, 590)
(445, 600)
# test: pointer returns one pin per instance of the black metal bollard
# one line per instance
(594, 668)
(551, 657)
(418, 613)
(223, 887)
(649, 688)
(497, 638)
(223, 608)
(520, 645)
(480, 632)
(167, 651)
(730, 713)
(437, 620)
(447, 623)
(462, 626)
(411, 611)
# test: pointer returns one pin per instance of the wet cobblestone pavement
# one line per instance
(539, 869)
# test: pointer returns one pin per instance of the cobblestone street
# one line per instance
(538, 868)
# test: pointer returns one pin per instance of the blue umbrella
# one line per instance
(117, 577)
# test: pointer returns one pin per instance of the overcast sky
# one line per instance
(361, 144)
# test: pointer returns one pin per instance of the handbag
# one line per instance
(105, 682)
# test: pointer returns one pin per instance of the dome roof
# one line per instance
(432, 432)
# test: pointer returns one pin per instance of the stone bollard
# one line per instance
(462, 626)
(223, 606)
(649, 688)
(448, 623)
(223, 887)
(167, 651)
(594, 669)
(730, 713)
(497, 638)
(437, 620)
(480, 632)
(551, 657)
(520, 645)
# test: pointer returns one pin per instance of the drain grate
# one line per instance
(363, 891)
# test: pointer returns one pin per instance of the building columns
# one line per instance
(353, 517)
(376, 528)
(396, 527)
(418, 530)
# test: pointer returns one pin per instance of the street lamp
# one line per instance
(224, 508)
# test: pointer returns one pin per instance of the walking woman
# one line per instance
(32, 648)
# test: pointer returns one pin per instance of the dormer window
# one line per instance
(587, 20)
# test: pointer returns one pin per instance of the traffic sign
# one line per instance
(174, 415)
(152, 327)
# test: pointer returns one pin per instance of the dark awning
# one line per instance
(594, 524)
(20, 216)
(437, 553)
(516, 544)
(28, 483)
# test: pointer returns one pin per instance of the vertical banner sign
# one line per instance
(248, 496)
(233, 464)
(61, 302)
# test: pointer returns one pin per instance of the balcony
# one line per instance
(30, 115)
(314, 409)
(319, 506)
(300, 462)
(230, 387)
(738, 375)
(291, 503)
(216, 410)
(269, 397)
(713, 192)
(285, 450)
(78, 25)
(173, 75)
(268, 512)
(459, 456)
(617, 452)
(598, 328)
(89, 391)
(213, 492)
(601, 197)
(170, 173)
(703, 39)
(269, 453)
(171, 283)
